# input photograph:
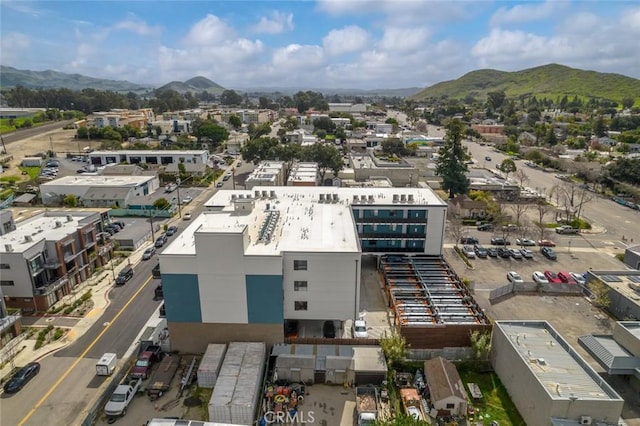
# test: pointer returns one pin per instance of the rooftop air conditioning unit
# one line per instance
(58, 224)
(273, 194)
(8, 247)
(356, 198)
(234, 196)
(585, 420)
(265, 194)
(28, 239)
(396, 197)
(410, 198)
(69, 218)
(256, 193)
(371, 198)
(335, 198)
(403, 198)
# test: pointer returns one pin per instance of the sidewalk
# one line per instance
(99, 296)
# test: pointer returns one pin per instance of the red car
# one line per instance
(552, 277)
(566, 277)
(546, 243)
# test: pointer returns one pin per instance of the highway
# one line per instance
(67, 384)
(9, 138)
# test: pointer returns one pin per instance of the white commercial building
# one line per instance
(547, 380)
(98, 191)
(304, 174)
(159, 157)
(256, 258)
(267, 173)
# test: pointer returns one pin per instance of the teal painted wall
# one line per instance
(265, 299)
(181, 297)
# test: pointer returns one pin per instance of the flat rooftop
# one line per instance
(99, 180)
(299, 221)
(559, 368)
(50, 226)
(150, 152)
(626, 283)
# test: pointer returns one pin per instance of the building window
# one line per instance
(5, 266)
(299, 286)
(299, 265)
(10, 282)
(451, 406)
(299, 306)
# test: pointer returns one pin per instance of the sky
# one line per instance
(356, 44)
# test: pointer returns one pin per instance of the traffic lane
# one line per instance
(119, 297)
(73, 397)
(15, 406)
(617, 219)
(33, 131)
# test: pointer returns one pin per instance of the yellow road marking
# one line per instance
(82, 355)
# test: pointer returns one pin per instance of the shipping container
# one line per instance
(210, 365)
(238, 388)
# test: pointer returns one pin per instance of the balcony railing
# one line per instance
(392, 236)
(9, 320)
(51, 287)
(394, 219)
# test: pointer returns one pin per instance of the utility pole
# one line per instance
(153, 235)
(233, 177)
(4, 147)
(51, 143)
(178, 182)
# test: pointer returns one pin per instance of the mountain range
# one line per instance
(550, 81)
(545, 81)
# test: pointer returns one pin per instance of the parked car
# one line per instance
(485, 227)
(125, 275)
(525, 242)
(219, 184)
(186, 216)
(566, 278)
(480, 251)
(468, 240)
(487, 158)
(527, 254)
(161, 240)
(148, 253)
(329, 330)
(549, 253)
(546, 243)
(578, 277)
(171, 230)
(187, 199)
(499, 241)
(552, 277)
(360, 329)
(514, 277)
(539, 277)
(112, 227)
(22, 377)
(510, 227)
(504, 253)
(515, 253)
(468, 252)
(492, 252)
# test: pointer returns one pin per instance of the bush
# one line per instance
(58, 334)
(68, 310)
(86, 296)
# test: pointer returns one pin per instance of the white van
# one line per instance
(106, 364)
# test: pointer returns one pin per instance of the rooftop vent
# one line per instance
(335, 198)
(396, 197)
(356, 198)
(58, 224)
(273, 194)
(234, 196)
(541, 361)
(69, 218)
(321, 197)
(410, 196)
(8, 247)
(265, 194)
(403, 198)
(256, 193)
(371, 198)
(28, 239)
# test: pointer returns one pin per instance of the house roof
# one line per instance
(122, 169)
(443, 379)
(106, 193)
(467, 203)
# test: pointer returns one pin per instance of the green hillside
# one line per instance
(546, 81)
(194, 85)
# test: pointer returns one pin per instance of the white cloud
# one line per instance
(526, 12)
(296, 57)
(13, 45)
(277, 23)
(404, 39)
(346, 40)
(400, 11)
(208, 30)
(137, 26)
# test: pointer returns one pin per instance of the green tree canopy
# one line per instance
(161, 203)
(212, 132)
(394, 146)
(451, 163)
(507, 166)
(327, 156)
(235, 121)
(70, 200)
(260, 149)
(230, 97)
(324, 123)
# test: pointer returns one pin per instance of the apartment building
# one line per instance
(122, 117)
(153, 157)
(49, 254)
(304, 174)
(255, 258)
(267, 173)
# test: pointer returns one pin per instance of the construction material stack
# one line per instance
(210, 365)
(238, 387)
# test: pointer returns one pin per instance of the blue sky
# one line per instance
(316, 44)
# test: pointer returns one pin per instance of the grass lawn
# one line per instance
(31, 171)
(496, 404)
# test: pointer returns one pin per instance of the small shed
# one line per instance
(369, 365)
(448, 396)
(24, 200)
(296, 367)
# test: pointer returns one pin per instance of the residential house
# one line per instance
(446, 390)
(468, 208)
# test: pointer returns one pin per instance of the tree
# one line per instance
(182, 169)
(542, 208)
(496, 98)
(82, 133)
(454, 223)
(451, 163)
(235, 121)
(260, 149)
(394, 347)
(212, 132)
(507, 166)
(161, 204)
(599, 128)
(627, 102)
(481, 344)
(394, 147)
(327, 156)
(324, 123)
(550, 137)
(599, 293)
(230, 97)
(521, 177)
(70, 200)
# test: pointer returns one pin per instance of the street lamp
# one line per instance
(178, 182)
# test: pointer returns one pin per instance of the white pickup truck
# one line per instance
(121, 397)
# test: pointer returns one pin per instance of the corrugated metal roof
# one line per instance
(559, 368)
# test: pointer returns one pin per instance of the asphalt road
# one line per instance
(67, 384)
(616, 219)
(9, 138)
